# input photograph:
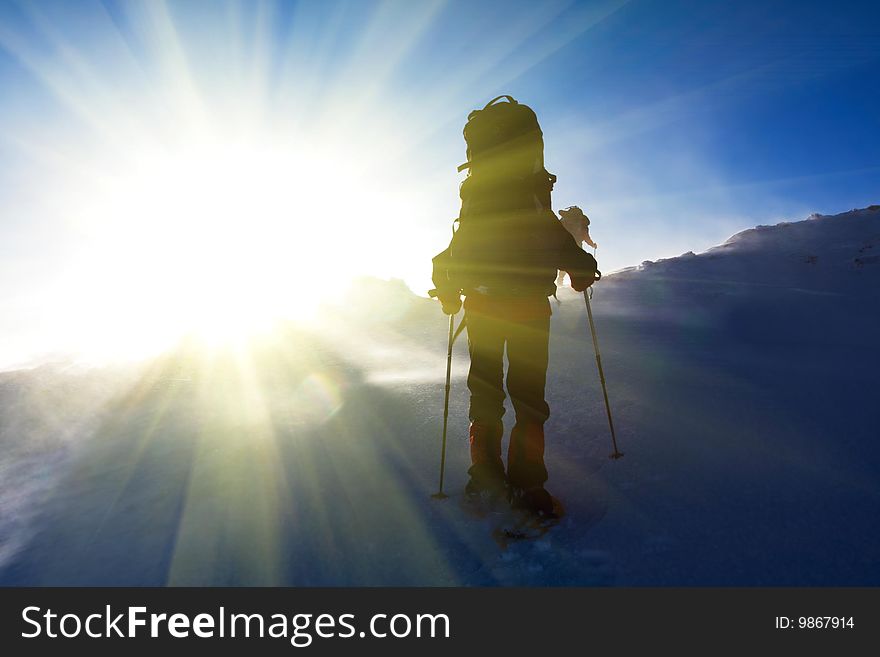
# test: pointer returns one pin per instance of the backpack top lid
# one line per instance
(506, 133)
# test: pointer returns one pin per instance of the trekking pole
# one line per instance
(440, 495)
(617, 454)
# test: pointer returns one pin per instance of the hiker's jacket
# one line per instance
(510, 255)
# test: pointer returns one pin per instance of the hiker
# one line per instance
(503, 258)
(578, 224)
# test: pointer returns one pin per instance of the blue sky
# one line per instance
(673, 124)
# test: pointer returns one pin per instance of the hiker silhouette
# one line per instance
(504, 259)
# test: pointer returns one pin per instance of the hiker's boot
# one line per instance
(487, 469)
(526, 472)
(534, 501)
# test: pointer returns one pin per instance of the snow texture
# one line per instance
(743, 383)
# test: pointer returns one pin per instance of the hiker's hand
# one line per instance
(586, 274)
(581, 283)
(451, 304)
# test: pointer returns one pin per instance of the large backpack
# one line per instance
(508, 235)
(504, 136)
(505, 151)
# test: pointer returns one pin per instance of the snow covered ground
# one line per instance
(743, 380)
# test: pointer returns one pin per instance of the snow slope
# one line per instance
(743, 382)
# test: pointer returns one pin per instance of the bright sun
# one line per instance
(219, 237)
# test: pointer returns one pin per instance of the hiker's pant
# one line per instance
(527, 343)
